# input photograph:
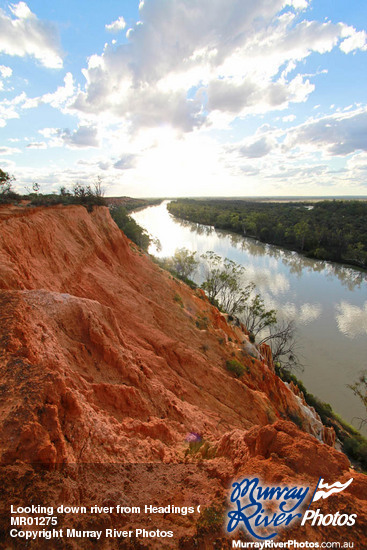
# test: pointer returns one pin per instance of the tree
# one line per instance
(64, 192)
(5, 183)
(223, 283)
(256, 317)
(359, 388)
(213, 281)
(184, 262)
(98, 189)
(302, 232)
(7, 194)
(281, 337)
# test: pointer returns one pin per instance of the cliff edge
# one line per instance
(113, 387)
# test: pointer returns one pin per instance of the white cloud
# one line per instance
(95, 164)
(24, 34)
(258, 148)
(229, 53)
(355, 40)
(299, 4)
(125, 162)
(337, 134)
(83, 137)
(8, 150)
(5, 72)
(48, 132)
(9, 108)
(37, 145)
(358, 164)
(117, 25)
(252, 97)
(289, 118)
(21, 10)
(58, 99)
(189, 68)
(62, 94)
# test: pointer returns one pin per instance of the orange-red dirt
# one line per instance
(108, 363)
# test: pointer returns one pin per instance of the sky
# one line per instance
(166, 98)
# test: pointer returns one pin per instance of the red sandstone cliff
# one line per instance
(106, 359)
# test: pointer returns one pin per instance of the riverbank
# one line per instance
(325, 230)
(325, 299)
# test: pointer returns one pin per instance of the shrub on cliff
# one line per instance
(181, 265)
(356, 448)
(7, 194)
(353, 443)
(86, 195)
(235, 367)
(225, 286)
(210, 520)
(359, 388)
(129, 226)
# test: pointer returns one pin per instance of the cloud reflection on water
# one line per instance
(298, 265)
(302, 314)
(317, 295)
(351, 319)
(267, 280)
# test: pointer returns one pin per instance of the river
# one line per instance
(327, 301)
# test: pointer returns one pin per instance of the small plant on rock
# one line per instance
(235, 367)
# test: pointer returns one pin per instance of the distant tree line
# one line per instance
(130, 204)
(328, 230)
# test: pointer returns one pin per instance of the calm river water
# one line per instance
(327, 301)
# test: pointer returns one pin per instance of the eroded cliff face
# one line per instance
(106, 359)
